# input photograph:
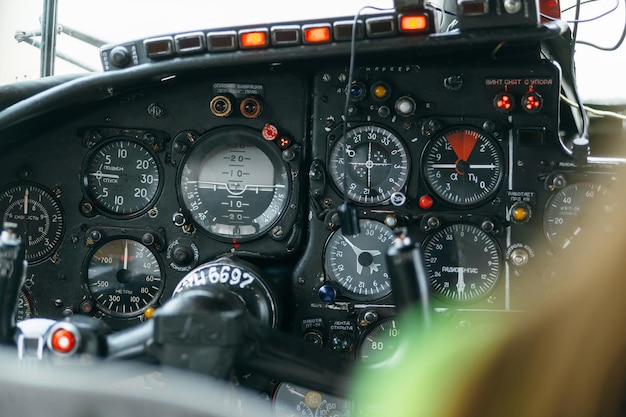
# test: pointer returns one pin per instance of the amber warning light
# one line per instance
(253, 39)
(319, 34)
(415, 22)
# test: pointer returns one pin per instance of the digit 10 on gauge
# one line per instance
(122, 177)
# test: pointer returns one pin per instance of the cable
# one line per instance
(348, 215)
(614, 47)
(587, 20)
(576, 21)
(591, 110)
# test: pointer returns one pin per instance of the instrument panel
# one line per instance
(218, 177)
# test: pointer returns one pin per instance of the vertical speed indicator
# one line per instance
(122, 177)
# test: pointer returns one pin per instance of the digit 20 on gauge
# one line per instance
(122, 177)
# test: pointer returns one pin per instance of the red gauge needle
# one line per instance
(462, 144)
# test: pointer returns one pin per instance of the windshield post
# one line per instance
(48, 37)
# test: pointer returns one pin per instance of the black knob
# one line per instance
(182, 255)
(119, 56)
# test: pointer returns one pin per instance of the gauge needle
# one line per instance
(126, 254)
(358, 252)
(294, 392)
(460, 284)
(462, 144)
(100, 175)
(26, 201)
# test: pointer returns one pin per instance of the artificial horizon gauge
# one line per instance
(357, 264)
(234, 183)
(124, 277)
(463, 166)
(463, 262)
(122, 177)
(576, 208)
(369, 165)
(38, 216)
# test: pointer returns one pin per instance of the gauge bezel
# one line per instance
(483, 293)
(46, 254)
(344, 290)
(98, 204)
(336, 176)
(548, 212)
(465, 203)
(99, 306)
(376, 327)
(218, 137)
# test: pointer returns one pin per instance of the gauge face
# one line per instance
(569, 211)
(122, 177)
(295, 400)
(38, 216)
(357, 264)
(25, 306)
(463, 263)
(380, 343)
(124, 278)
(370, 164)
(234, 184)
(463, 167)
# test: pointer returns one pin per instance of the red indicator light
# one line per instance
(413, 23)
(426, 202)
(63, 341)
(256, 39)
(317, 35)
(504, 102)
(549, 10)
(269, 132)
(532, 102)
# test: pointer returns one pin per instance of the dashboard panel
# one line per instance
(236, 176)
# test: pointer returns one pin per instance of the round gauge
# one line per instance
(38, 216)
(124, 277)
(463, 166)
(369, 164)
(25, 306)
(463, 262)
(380, 343)
(569, 211)
(234, 184)
(294, 400)
(122, 177)
(357, 264)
